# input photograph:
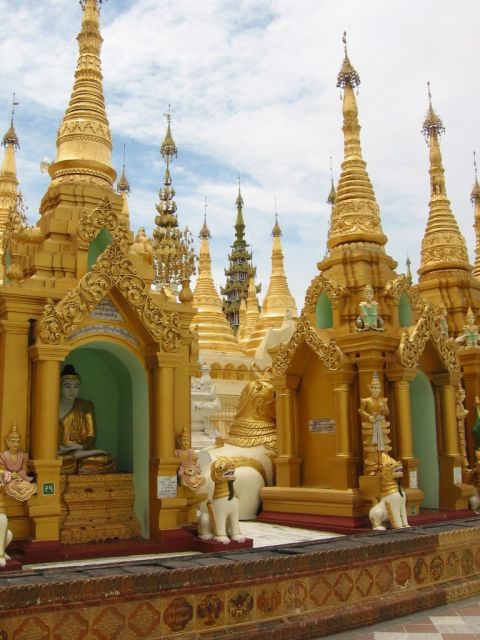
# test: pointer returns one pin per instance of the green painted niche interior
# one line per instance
(323, 312)
(98, 245)
(425, 438)
(404, 311)
(115, 381)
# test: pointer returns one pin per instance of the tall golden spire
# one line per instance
(278, 299)
(252, 312)
(355, 214)
(8, 180)
(214, 330)
(84, 140)
(332, 196)
(475, 198)
(443, 245)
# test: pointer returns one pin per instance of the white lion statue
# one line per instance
(392, 503)
(5, 533)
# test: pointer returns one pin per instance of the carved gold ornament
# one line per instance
(112, 269)
(103, 217)
(428, 327)
(319, 284)
(329, 353)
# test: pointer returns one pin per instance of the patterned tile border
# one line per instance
(300, 591)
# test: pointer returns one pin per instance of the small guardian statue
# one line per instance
(5, 533)
(392, 503)
(470, 336)
(375, 428)
(369, 320)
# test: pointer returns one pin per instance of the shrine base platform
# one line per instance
(303, 590)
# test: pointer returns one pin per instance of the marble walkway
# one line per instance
(457, 621)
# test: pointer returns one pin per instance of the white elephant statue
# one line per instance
(392, 503)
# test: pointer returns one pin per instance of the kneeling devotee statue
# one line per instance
(77, 430)
(13, 464)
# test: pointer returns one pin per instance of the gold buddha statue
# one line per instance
(76, 419)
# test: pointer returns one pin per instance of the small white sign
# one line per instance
(457, 475)
(166, 486)
(413, 479)
(106, 310)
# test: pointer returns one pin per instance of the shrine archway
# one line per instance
(425, 438)
(114, 379)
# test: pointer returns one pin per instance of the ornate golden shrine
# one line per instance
(78, 289)
(326, 367)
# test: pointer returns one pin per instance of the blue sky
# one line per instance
(252, 89)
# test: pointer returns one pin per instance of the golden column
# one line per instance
(165, 506)
(44, 508)
(287, 463)
(345, 463)
(453, 493)
(400, 379)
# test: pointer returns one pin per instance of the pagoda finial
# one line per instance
(168, 148)
(355, 198)
(84, 139)
(174, 258)
(123, 186)
(276, 231)
(347, 74)
(432, 123)
(205, 231)
(475, 198)
(475, 193)
(333, 194)
(11, 137)
(443, 245)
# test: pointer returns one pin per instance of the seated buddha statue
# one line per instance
(369, 320)
(76, 419)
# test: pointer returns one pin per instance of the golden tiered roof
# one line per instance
(84, 139)
(214, 330)
(443, 245)
(278, 299)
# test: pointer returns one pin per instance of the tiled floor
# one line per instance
(457, 621)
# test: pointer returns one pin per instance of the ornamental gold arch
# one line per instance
(328, 352)
(319, 284)
(413, 344)
(113, 268)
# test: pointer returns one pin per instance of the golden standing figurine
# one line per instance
(461, 414)
(375, 428)
(77, 430)
(13, 464)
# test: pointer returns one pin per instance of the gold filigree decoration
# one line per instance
(395, 288)
(413, 343)
(329, 353)
(112, 269)
(319, 284)
(103, 217)
(245, 461)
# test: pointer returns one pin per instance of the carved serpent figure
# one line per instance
(391, 506)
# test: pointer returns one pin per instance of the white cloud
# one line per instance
(252, 89)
